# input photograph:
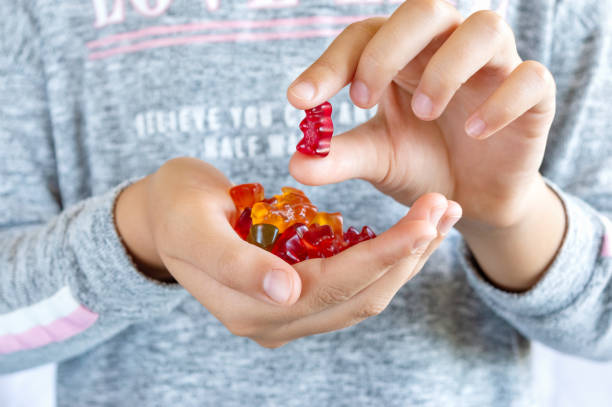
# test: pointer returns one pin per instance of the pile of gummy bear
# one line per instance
(289, 225)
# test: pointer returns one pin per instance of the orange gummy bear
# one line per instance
(246, 195)
(334, 220)
(289, 208)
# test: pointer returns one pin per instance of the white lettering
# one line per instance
(250, 117)
(292, 141)
(344, 114)
(276, 145)
(291, 116)
(238, 147)
(160, 122)
(210, 147)
(141, 130)
(143, 7)
(360, 115)
(252, 146)
(213, 119)
(236, 113)
(199, 114)
(184, 120)
(150, 122)
(265, 116)
(212, 5)
(226, 148)
(103, 17)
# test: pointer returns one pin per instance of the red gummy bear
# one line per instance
(244, 223)
(352, 237)
(290, 246)
(318, 128)
(319, 241)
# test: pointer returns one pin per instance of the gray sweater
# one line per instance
(96, 93)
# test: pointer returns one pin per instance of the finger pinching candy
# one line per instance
(318, 129)
(290, 226)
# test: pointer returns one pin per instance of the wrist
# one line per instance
(515, 255)
(131, 222)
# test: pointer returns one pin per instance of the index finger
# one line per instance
(335, 68)
(407, 32)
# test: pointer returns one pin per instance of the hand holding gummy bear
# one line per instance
(179, 223)
(459, 112)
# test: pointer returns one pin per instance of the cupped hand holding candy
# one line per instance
(459, 113)
(178, 223)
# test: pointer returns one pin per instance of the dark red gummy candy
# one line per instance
(352, 236)
(318, 129)
(320, 242)
(290, 246)
(243, 225)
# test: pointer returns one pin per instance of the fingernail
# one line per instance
(447, 224)
(303, 90)
(360, 93)
(436, 214)
(475, 127)
(421, 245)
(422, 105)
(277, 286)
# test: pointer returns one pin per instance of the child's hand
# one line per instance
(179, 220)
(438, 80)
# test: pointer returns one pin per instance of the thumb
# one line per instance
(216, 250)
(354, 154)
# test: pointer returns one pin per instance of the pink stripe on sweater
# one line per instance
(57, 331)
(201, 39)
(212, 25)
(606, 247)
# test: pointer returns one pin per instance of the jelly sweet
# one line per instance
(246, 195)
(352, 236)
(334, 220)
(263, 235)
(291, 207)
(244, 223)
(290, 246)
(318, 129)
(289, 225)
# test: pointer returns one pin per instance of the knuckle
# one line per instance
(493, 23)
(542, 73)
(171, 164)
(172, 225)
(228, 264)
(431, 7)
(442, 77)
(374, 57)
(325, 64)
(332, 295)
(366, 27)
(370, 309)
(242, 328)
(268, 344)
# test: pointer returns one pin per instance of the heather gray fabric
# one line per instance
(78, 121)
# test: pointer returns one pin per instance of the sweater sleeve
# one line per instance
(570, 308)
(67, 283)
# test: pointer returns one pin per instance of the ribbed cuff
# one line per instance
(566, 278)
(108, 281)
